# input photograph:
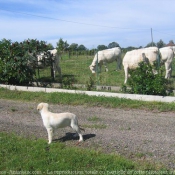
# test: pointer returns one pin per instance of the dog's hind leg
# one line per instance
(50, 134)
(75, 127)
(79, 133)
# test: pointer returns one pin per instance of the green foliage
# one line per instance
(22, 155)
(90, 84)
(161, 44)
(143, 80)
(101, 47)
(81, 47)
(73, 47)
(15, 58)
(83, 99)
(151, 44)
(68, 81)
(113, 44)
(62, 45)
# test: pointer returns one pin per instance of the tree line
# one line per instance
(63, 46)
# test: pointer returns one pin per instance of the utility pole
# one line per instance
(152, 36)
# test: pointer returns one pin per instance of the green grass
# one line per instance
(82, 99)
(20, 154)
(94, 119)
(95, 126)
(78, 69)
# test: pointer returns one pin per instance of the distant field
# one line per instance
(76, 69)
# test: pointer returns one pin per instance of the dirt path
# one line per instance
(136, 134)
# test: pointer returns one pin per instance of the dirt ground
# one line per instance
(137, 134)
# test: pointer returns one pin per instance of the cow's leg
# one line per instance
(126, 74)
(56, 68)
(168, 68)
(53, 69)
(54, 73)
(57, 65)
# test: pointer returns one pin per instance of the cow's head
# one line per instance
(92, 68)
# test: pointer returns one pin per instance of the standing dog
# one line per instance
(52, 121)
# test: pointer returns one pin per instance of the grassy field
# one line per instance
(18, 154)
(54, 157)
(82, 99)
(77, 70)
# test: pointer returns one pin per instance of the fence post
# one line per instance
(69, 54)
(51, 67)
(158, 60)
(97, 69)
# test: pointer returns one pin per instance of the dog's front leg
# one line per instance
(50, 134)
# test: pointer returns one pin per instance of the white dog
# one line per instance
(58, 120)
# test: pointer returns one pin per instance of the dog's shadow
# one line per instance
(71, 136)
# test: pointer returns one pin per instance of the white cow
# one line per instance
(106, 56)
(132, 58)
(56, 61)
(43, 58)
(167, 56)
(173, 48)
(40, 59)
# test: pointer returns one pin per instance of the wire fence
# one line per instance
(75, 70)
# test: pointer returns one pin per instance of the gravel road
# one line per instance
(137, 134)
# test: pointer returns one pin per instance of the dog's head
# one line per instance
(42, 106)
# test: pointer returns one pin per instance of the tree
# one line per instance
(112, 45)
(81, 48)
(171, 41)
(151, 44)
(101, 47)
(73, 47)
(62, 45)
(129, 49)
(50, 46)
(160, 44)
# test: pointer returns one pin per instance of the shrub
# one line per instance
(144, 80)
(90, 84)
(15, 58)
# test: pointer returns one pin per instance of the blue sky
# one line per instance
(88, 22)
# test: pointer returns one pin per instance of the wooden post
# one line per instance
(97, 69)
(51, 68)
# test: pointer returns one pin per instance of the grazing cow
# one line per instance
(55, 60)
(40, 60)
(106, 56)
(50, 57)
(167, 56)
(173, 48)
(132, 58)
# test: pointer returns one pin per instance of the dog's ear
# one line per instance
(40, 106)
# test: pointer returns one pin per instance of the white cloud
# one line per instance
(127, 22)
